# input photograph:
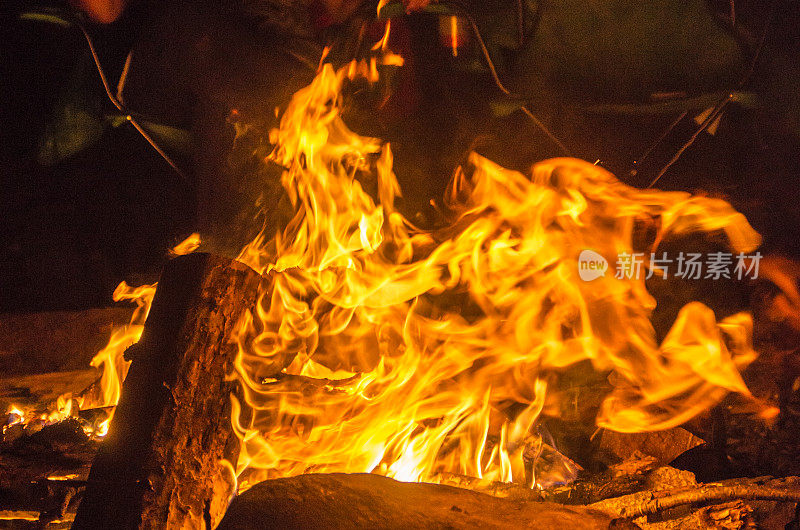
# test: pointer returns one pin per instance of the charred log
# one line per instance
(43, 471)
(162, 463)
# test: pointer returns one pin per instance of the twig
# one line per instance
(703, 126)
(520, 24)
(123, 77)
(637, 507)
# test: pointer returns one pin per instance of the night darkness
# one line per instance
(77, 223)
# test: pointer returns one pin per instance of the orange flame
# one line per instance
(454, 35)
(111, 358)
(383, 348)
(380, 347)
(784, 274)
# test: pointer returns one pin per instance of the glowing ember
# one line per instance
(110, 360)
(14, 416)
(69, 476)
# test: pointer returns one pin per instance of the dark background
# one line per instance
(72, 230)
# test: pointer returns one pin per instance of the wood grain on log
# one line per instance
(161, 464)
(664, 445)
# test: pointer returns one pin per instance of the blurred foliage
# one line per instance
(601, 57)
(49, 16)
(166, 136)
(77, 120)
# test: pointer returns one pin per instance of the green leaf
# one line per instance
(171, 138)
(73, 130)
(506, 106)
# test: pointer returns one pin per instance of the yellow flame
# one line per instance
(187, 246)
(383, 44)
(111, 358)
(13, 409)
(14, 416)
(379, 347)
(69, 476)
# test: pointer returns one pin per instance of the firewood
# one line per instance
(623, 479)
(371, 501)
(43, 471)
(57, 341)
(161, 464)
(649, 503)
(665, 445)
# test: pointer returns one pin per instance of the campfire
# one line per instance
(506, 367)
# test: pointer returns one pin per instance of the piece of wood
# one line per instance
(372, 501)
(653, 502)
(44, 470)
(55, 341)
(665, 445)
(161, 465)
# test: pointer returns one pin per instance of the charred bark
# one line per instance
(161, 464)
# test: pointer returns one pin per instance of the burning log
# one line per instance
(371, 501)
(706, 493)
(163, 461)
(42, 472)
(40, 391)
